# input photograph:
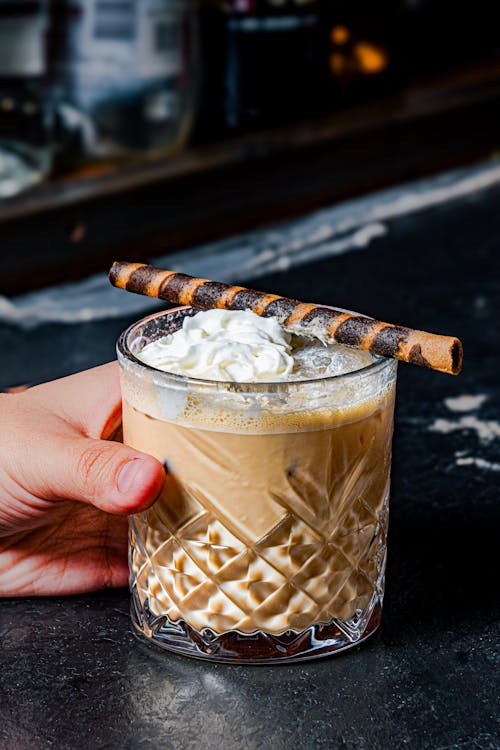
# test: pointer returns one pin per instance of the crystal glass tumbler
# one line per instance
(268, 542)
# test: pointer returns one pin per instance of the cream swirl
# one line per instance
(229, 345)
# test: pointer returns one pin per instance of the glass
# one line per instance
(125, 77)
(263, 62)
(26, 111)
(268, 542)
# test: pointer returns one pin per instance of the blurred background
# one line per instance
(131, 128)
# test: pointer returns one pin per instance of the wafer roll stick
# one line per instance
(442, 353)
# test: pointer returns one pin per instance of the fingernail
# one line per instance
(128, 475)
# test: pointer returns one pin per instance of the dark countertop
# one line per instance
(71, 673)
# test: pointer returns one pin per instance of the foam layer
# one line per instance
(286, 407)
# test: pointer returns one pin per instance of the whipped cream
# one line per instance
(228, 345)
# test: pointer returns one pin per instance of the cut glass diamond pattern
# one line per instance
(290, 578)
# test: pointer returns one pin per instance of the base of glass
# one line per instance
(21, 167)
(317, 641)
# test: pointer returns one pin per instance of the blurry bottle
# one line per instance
(263, 62)
(25, 106)
(125, 76)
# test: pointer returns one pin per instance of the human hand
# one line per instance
(66, 488)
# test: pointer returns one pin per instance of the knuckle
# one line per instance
(95, 467)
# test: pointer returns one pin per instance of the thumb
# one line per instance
(109, 475)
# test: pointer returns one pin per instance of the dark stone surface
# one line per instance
(72, 674)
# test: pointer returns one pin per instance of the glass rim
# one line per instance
(123, 350)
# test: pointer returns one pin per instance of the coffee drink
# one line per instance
(271, 528)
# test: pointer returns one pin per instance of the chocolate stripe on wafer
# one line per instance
(246, 299)
(389, 339)
(280, 308)
(206, 296)
(353, 331)
(442, 353)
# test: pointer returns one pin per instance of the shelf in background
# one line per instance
(76, 225)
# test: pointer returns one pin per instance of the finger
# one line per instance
(89, 400)
(108, 475)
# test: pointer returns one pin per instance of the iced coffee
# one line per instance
(268, 542)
